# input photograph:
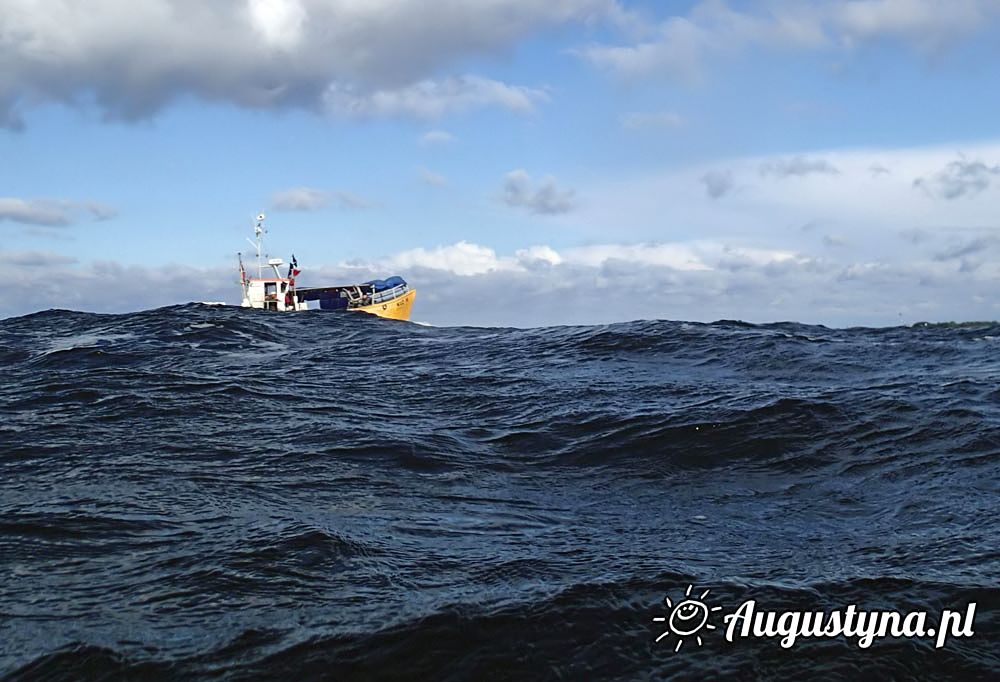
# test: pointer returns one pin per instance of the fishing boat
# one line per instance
(391, 297)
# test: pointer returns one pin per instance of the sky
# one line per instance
(519, 162)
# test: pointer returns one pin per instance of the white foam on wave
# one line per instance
(84, 340)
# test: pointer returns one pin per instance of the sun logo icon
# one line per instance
(687, 618)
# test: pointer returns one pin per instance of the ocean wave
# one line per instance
(210, 492)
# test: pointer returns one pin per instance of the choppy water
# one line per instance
(211, 492)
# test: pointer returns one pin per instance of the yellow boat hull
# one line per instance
(397, 309)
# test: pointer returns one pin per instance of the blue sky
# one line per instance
(520, 162)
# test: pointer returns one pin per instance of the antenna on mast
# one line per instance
(258, 231)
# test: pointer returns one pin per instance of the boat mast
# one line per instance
(258, 231)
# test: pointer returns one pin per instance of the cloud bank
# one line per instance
(471, 284)
(797, 243)
(52, 212)
(682, 46)
(132, 57)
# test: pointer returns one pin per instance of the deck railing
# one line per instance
(390, 294)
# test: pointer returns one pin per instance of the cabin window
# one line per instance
(270, 290)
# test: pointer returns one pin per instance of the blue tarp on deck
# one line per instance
(383, 284)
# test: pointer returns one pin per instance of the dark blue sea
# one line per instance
(203, 492)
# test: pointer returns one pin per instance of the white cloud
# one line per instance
(383, 57)
(429, 99)
(462, 258)
(467, 259)
(48, 280)
(311, 199)
(349, 200)
(927, 24)
(51, 212)
(546, 198)
(797, 166)
(960, 178)
(879, 218)
(436, 137)
(674, 256)
(300, 199)
(538, 255)
(681, 46)
(130, 58)
(33, 212)
(34, 259)
(278, 22)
